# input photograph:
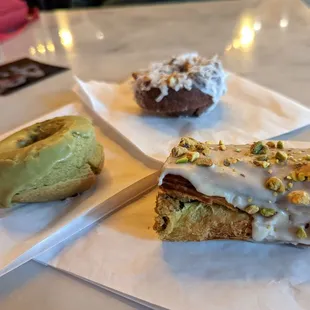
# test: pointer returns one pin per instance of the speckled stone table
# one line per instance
(266, 41)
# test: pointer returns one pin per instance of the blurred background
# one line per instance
(55, 4)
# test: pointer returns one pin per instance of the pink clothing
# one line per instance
(13, 17)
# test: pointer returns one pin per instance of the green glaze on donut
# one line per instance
(43, 153)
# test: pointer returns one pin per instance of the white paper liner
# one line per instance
(247, 112)
(28, 230)
(123, 253)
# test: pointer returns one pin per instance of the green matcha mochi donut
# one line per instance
(51, 160)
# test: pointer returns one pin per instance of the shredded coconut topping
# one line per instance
(184, 71)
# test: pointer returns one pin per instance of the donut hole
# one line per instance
(21, 143)
(39, 133)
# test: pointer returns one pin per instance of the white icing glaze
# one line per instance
(206, 75)
(243, 184)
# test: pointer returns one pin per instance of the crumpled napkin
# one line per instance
(247, 112)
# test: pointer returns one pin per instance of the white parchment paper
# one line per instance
(27, 231)
(123, 253)
(247, 112)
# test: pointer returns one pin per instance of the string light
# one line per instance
(32, 51)
(41, 48)
(50, 46)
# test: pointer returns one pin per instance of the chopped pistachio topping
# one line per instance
(259, 148)
(267, 212)
(262, 157)
(188, 142)
(257, 163)
(270, 171)
(264, 149)
(307, 157)
(201, 146)
(206, 151)
(292, 159)
(280, 145)
(221, 142)
(299, 198)
(233, 160)
(271, 144)
(275, 184)
(301, 176)
(204, 162)
(222, 147)
(264, 164)
(238, 150)
(290, 185)
(178, 151)
(281, 156)
(226, 162)
(293, 176)
(182, 160)
(298, 165)
(301, 233)
(192, 156)
(252, 209)
(277, 161)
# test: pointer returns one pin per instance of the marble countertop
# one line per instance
(266, 41)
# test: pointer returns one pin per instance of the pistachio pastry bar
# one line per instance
(257, 192)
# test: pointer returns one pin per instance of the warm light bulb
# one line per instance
(50, 46)
(65, 37)
(32, 51)
(283, 23)
(247, 36)
(41, 48)
(257, 26)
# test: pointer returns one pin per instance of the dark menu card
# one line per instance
(24, 72)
